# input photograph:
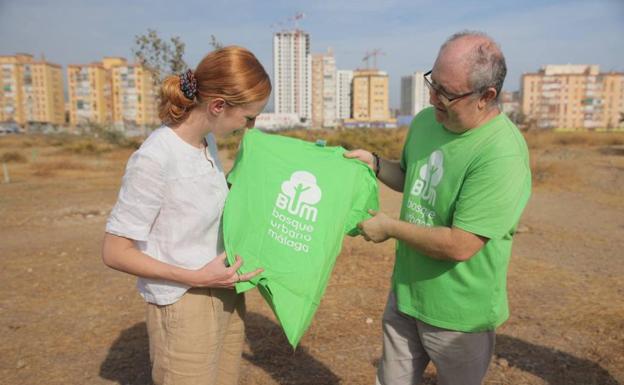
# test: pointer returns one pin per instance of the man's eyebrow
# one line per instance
(444, 91)
(441, 88)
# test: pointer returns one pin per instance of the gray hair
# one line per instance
(486, 63)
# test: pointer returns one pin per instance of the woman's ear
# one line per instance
(216, 106)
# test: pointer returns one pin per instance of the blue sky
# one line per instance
(531, 33)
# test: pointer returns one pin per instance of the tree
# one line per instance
(216, 44)
(161, 57)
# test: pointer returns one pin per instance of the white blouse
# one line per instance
(170, 203)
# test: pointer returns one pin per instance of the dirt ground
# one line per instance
(65, 318)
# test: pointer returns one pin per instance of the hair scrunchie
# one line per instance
(188, 84)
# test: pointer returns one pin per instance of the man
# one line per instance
(465, 178)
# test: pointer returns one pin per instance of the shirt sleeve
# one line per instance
(140, 198)
(404, 160)
(366, 197)
(403, 163)
(493, 196)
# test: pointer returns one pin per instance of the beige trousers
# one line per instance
(198, 339)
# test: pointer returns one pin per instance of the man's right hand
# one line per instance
(390, 174)
(217, 275)
(362, 155)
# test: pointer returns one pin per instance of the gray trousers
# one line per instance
(409, 344)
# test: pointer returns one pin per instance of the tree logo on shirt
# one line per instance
(429, 177)
(299, 194)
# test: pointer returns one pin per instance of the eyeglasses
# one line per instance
(439, 92)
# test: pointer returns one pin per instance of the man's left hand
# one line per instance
(377, 228)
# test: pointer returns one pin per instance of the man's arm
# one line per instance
(444, 243)
(390, 172)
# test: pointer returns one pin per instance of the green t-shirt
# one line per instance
(289, 207)
(478, 181)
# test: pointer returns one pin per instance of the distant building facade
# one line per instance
(134, 97)
(112, 92)
(414, 94)
(324, 102)
(370, 100)
(292, 73)
(31, 91)
(344, 84)
(270, 121)
(573, 96)
(510, 103)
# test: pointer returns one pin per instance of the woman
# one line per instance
(165, 227)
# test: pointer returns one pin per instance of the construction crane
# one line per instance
(374, 53)
(290, 22)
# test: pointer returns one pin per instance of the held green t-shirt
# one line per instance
(478, 181)
(289, 207)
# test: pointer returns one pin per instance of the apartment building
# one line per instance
(31, 91)
(134, 96)
(324, 90)
(344, 80)
(414, 94)
(573, 96)
(292, 73)
(112, 92)
(370, 95)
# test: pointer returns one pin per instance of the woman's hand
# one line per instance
(217, 275)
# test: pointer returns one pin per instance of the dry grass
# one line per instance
(565, 283)
(85, 147)
(13, 157)
(386, 142)
(389, 142)
(545, 139)
(57, 153)
(552, 172)
(47, 168)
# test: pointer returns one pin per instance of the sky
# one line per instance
(531, 33)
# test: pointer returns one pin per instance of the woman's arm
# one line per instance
(121, 254)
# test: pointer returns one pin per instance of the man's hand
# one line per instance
(363, 156)
(216, 274)
(376, 229)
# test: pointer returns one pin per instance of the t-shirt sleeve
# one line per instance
(366, 198)
(493, 196)
(403, 163)
(406, 144)
(140, 198)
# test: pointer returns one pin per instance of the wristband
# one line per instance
(377, 163)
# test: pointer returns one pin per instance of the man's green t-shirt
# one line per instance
(478, 181)
(289, 208)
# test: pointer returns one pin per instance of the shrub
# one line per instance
(386, 142)
(13, 157)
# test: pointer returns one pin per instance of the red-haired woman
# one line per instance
(165, 226)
